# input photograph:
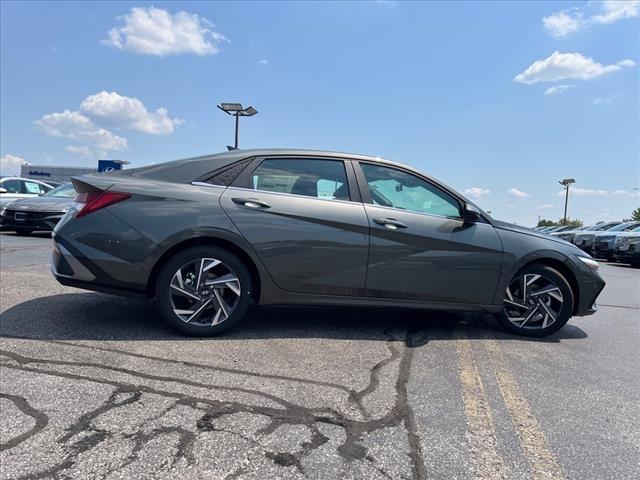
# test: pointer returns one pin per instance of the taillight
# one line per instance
(92, 201)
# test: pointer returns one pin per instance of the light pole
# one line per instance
(236, 110)
(566, 182)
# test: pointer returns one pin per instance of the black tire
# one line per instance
(565, 311)
(163, 287)
(23, 232)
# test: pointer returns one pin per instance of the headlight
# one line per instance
(589, 262)
(633, 240)
(2, 212)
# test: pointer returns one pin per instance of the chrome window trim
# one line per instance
(205, 184)
(296, 195)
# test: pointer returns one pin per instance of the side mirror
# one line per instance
(470, 214)
(3, 190)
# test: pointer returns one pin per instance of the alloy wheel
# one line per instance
(204, 292)
(532, 301)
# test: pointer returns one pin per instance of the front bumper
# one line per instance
(29, 220)
(603, 249)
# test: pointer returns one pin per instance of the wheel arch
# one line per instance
(211, 241)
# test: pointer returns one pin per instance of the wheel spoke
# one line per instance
(516, 304)
(548, 311)
(200, 308)
(184, 292)
(529, 316)
(223, 305)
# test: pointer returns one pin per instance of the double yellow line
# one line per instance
(486, 459)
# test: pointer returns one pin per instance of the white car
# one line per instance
(14, 188)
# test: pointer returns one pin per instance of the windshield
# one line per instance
(65, 191)
(621, 227)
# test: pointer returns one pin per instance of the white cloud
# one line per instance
(614, 10)
(476, 192)
(557, 89)
(517, 194)
(605, 100)
(567, 66)
(75, 126)
(154, 31)
(264, 61)
(619, 192)
(565, 22)
(84, 152)
(113, 109)
(560, 24)
(546, 206)
(10, 164)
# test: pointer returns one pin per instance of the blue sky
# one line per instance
(500, 100)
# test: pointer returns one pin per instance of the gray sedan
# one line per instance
(209, 237)
(38, 213)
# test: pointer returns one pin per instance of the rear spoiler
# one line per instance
(90, 183)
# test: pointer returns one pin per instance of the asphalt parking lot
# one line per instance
(95, 386)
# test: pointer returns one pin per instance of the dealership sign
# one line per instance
(40, 173)
(109, 165)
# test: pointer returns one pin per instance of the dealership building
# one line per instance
(64, 174)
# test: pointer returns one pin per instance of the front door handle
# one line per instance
(251, 202)
(390, 223)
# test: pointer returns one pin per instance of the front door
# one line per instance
(299, 215)
(420, 247)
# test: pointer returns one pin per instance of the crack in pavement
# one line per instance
(290, 413)
(40, 418)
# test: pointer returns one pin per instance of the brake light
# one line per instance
(92, 201)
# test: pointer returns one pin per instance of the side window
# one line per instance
(12, 186)
(34, 188)
(394, 188)
(308, 177)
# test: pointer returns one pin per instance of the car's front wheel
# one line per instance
(537, 302)
(203, 291)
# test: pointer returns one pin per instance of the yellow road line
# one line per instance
(486, 460)
(534, 444)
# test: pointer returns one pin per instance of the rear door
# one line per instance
(420, 247)
(305, 220)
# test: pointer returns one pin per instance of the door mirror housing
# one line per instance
(3, 190)
(470, 214)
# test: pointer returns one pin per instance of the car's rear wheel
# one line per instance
(203, 291)
(537, 302)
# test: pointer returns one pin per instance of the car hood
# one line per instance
(629, 234)
(42, 204)
(527, 231)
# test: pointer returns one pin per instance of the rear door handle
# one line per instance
(251, 202)
(390, 223)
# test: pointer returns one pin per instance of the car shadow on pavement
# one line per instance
(95, 316)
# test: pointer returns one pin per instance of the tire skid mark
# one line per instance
(485, 458)
(399, 415)
(191, 364)
(543, 462)
(40, 418)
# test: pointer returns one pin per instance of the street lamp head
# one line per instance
(230, 107)
(248, 112)
(567, 181)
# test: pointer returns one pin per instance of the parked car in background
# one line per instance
(568, 235)
(584, 239)
(13, 188)
(603, 241)
(626, 247)
(207, 237)
(39, 213)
